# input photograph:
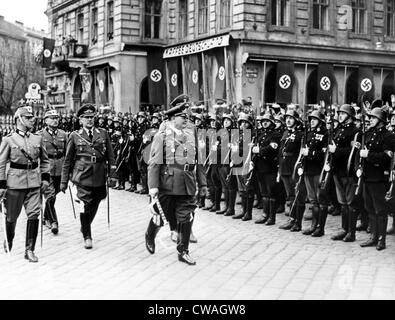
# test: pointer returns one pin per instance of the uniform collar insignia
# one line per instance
(22, 133)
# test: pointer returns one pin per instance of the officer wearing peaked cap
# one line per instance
(88, 156)
(27, 177)
(54, 141)
(172, 174)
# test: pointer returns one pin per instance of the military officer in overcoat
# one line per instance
(88, 157)
(27, 177)
(54, 141)
(173, 171)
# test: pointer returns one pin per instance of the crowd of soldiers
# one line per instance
(339, 159)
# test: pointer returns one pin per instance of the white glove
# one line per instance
(332, 148)
(364, 153)
(153, 192)
(255, 149)
(214, 147)
(305, 151)
(234, 148)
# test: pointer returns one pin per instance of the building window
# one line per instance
(203, 16)
(80, 28)
(225, 13)
(94, 35)
(321, 14)
(110, 20)
(67, 27)
(390, 18)
(183, 19)
(359, 16)
(281, 13)
(153, 18)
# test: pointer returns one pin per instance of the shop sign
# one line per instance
(195, 47)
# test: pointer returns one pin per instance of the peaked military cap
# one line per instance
(86, 110)
(181, 99)
(25, 111)
(51, 113)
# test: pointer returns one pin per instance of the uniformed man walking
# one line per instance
(88, 156)
(172, 175)
(54, 141)
(28, 176)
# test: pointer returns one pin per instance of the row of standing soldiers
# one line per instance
(341, 159)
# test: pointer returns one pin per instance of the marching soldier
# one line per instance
(142, 126)
(88, 153)
(377, 153)
(54, 141)
(27, 178)
(172, 177)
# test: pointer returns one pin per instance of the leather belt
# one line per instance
(91, 159)
(288, 154)
(184, 167)
(28, 166)
(56, 156)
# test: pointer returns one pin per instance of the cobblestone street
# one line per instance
(235, 260)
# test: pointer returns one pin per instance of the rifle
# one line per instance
(326, 169)
(361, 163)
(299, 164)
(248, 161)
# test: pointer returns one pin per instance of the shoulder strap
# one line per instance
(89, 143)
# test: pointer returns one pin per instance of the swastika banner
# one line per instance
(325, 81)
(194, 77)
(175, 77)
(284, 81)
(365, 84)
(48, 47)
(156, 84)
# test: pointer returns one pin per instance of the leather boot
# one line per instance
(217, 200)
(86, 229)
(250, 203)
(31, 236)
(292, 214)
(243, 197)
(382, 220)
(342, 233)
(320, 230)
(352, 225)
(299, 211)
(272, 212)
(184, 232)
(226, 194)
(314, 221)
(231, 203)
(150, 235)
(10, 230)
(372, 242)
(265, 216)
(52, 217)
(391, 230)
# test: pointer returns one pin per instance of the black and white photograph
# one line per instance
(196, 155)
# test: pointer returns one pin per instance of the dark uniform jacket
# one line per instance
(55, 144)
(172, 163)
(316, 142)
(21, 149)
(343, 138)
(289, 151)
(85, 160)
(266, 160)
(381, 144)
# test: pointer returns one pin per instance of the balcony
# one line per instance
(69, 50)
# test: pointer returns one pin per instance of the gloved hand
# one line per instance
(332, 148)
(305, 151)
(255, 149)
(153, 192)
(364, 153)
(44, 186)
(63, 187)
(203, 191)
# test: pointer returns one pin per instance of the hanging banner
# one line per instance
(101, 87)
(220, 75)
(194, 78)
(284, 81)
(325, 81)
(175, 77)
(365, 84)
(156, 82)
(48, 47)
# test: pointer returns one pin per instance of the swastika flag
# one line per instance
(365, 84)
(156, 84)
(284, 81)
(325, 81)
